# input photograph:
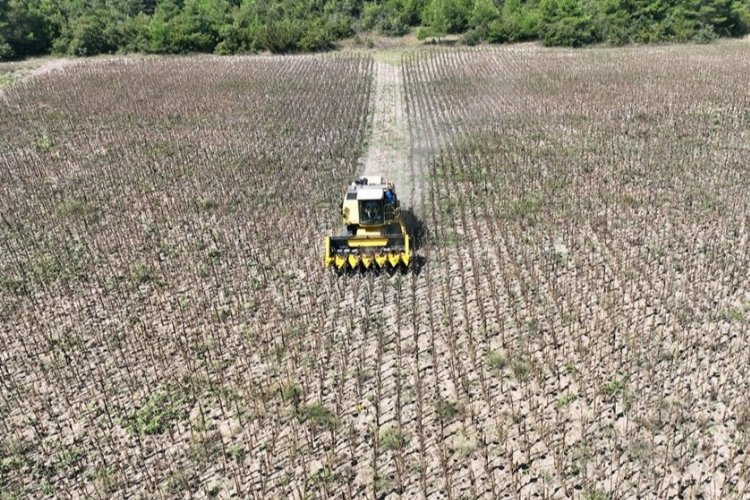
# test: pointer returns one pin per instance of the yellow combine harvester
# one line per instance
(374, 231)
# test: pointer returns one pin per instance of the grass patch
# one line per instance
(363, 375)
(237, 454)
(204, 446)
(565, 400)
(323, 476)
(156, 416)
(319, 417)
(392, 57)
(46, 489)
(142, 274)
(613, 388)
(594, 494)
(733, 315)
(391, 439)
(497, 360)
(44, 143)
(12, 284)
(46, 268)
(639, 451)
(203, 204)
(521, 369)
(13, 455)
(69, 462)
(289, 392)
(446, 410)
(80, 209)
(524, 207)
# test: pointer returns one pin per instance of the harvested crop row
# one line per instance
(161, 224)
(588, 260)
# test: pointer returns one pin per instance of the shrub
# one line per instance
(704, 34)
(6, 52)
(24, 31)
(483, 13)
(317, 37)
(472, 37)
(377, 17)
(281, 36)
(566, 23)
(134, 33)
(569, 32)
(516, 24)
(88, 37)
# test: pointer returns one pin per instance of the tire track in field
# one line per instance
(394, 338)
(389, 144)
(396, 408)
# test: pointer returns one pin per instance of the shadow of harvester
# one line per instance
(417, 232)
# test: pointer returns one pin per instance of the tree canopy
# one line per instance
(88, 27)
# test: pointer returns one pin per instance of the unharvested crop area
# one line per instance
(577, 325)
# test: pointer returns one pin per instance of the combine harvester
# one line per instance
(374, 233)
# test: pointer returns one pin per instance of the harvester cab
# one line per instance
(374, 234)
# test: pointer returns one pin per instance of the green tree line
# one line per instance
(89, 27)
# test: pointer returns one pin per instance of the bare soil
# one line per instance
(388, 145)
